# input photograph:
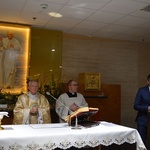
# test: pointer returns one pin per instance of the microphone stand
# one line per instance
(76, 120)
(76, 124)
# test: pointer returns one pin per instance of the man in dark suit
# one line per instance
(142, 105)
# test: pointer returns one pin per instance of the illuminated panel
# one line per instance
(14, 56)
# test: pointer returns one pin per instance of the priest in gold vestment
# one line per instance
(32, 107)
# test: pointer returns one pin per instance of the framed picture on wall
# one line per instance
(14, 53)
(92, 81)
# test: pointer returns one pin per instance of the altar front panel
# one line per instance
(60, 135)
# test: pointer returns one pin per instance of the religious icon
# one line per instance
(92, 81)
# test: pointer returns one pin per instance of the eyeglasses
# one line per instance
(74, 85)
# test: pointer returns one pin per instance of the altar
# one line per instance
(60, 135)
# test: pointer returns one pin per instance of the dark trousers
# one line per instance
(142, 129)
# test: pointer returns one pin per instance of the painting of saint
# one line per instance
(12, 62)
(10, 47)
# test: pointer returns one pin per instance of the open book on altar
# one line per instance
(82, 114)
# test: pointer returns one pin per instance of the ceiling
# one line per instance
(115, 19)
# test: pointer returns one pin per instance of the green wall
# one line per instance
(42, 61)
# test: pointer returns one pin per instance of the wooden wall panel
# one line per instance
(109, 106)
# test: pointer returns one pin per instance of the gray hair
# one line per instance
(31, 81)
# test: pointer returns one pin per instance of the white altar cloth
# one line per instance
(51, 136)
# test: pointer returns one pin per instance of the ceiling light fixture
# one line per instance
(54, 14)
(34, 18)
(146, 8)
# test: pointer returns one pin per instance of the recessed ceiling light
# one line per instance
(53, 50)
(54, 14)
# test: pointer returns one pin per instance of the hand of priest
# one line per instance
(34, 110)
(12, 45)
(74, 107)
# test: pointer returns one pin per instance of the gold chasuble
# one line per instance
(25, 103)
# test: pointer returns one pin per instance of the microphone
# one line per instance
(76, 120)
(48, 93)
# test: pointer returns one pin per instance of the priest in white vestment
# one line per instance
(69, 101)
(32, 107)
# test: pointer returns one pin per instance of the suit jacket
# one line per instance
(142, 101)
